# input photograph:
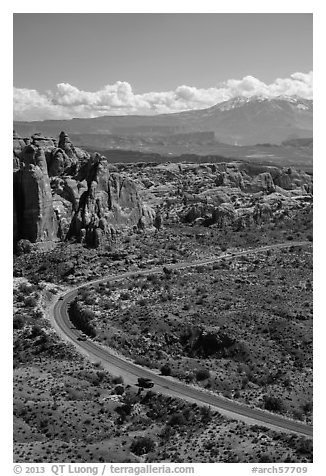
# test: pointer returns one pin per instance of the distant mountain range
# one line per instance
(239, 121)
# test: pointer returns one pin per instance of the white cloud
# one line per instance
(67, 101)
(30, 105)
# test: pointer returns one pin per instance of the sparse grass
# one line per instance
(241, 327)
(257, 313)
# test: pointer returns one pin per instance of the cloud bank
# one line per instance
(67, 101)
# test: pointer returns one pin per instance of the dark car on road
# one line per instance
(82, 338)
(145, 382)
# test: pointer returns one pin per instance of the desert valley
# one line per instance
(239, 326)
(163, 242)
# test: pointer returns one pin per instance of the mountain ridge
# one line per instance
(238, 121)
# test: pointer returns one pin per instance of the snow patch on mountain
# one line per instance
(240, 101)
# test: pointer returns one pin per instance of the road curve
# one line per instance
(119, 365)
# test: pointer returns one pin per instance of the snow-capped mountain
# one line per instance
(240, 101)
(257, 119)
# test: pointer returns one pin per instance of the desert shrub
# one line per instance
(154, 279)
(206, 414)
(200, 300)
(177, 419)
(298, 414)
(88, 314)
(124, 296)
(142, 445)
(197, 342)
(237, 394)
(143, 361)
(165, 369)
(304, 447)
(158, 221)
(19, 297)
(19, 322)
(167, 433)
(273, 404)
(200, 269)
(66, 268)
(81, 318)
(124, 411)
(84, 293)
(119, 389)
(30, 301)
(37, 313)
(202, 374)
(265, 458)
(307, 407)
(25, 288)
(189, 377)
(23, 246)
(167, 272)
(89, 299)
(36, 331)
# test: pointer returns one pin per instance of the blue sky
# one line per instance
(128, 63)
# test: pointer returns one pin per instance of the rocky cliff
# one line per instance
(235, 194)
(34, 217)
(111, 201)
(60, 192)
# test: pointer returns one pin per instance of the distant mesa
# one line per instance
(239, 121)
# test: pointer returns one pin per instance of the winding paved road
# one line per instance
(118, 365)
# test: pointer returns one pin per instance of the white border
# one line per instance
(168, 6)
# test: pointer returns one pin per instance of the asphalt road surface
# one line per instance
(118, 365)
